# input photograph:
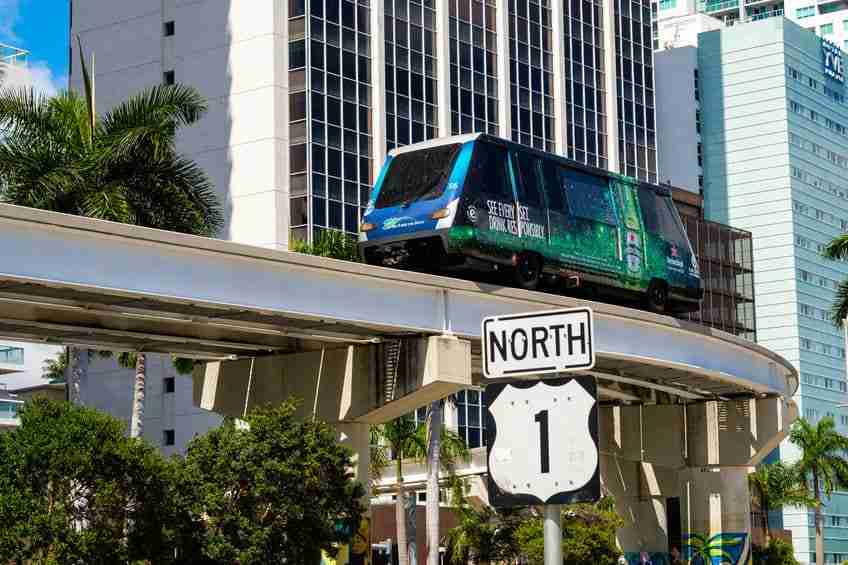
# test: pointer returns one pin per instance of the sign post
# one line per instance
(542, 434)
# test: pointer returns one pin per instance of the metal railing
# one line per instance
(10, 55)
(711, 7)
(11, 355)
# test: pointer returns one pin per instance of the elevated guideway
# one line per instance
(78, 281)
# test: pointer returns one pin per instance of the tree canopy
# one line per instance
(73, 489)
(277, 490)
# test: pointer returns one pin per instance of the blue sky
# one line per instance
(40, 27)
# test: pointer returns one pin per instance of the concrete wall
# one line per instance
(109, 387)
(234, 53)
(677, 136)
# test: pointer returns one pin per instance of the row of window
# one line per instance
(837, 159)
(817, 118)
(814, 312)
(808, 344)
(807, 243)
(824, 282)
(814, 84)
(820, 215)
(818, 182)
(828, 383)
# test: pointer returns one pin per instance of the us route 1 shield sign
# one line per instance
(542, 442)
(538, 342)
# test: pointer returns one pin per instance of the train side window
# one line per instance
(529, 185)
(659, 216)
(589, 196)
(553, 187)
(490, 172)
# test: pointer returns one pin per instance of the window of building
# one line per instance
(805, 12)
(168, 29)
(168, 437)
(668, 4)
(471, 425)
(826, 29)
(168, 77)
(168, 384)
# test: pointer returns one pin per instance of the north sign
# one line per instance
(538, 342)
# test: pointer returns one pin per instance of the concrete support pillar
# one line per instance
(716, 511)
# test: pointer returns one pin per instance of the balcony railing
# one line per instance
(710, 7)
(9, 409)
(13, 56)
(11, 355)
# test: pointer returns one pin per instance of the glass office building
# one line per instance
(575, 78)
(775, 143)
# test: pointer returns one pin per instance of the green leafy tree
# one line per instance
(588, 532)
(330, 243)
(277, 490)
(822, 463)
(74, 489)
(57, 154)
(776, 485)
(777, 552)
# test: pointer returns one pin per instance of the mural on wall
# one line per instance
(357, 552)
(721, 549)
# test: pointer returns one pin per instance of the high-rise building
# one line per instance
(774, 131)
(307, 96)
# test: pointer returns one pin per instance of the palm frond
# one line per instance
(148, 121)
(24, 114)
(89, 92)
(839, 310)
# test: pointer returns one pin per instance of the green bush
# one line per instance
(777, 552)
(588, 532)
(330, 243)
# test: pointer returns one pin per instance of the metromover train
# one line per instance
(483, 203)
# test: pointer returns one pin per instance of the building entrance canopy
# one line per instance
(78, 281)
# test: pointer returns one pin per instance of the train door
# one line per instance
(562, 241)
(532, 208)
(489, 201)
(596, 224)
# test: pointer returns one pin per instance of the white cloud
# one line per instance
(10, 11)
(36, 74)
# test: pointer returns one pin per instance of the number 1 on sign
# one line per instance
(542, 418)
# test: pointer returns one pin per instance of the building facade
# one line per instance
(307, 96)
(775, 149)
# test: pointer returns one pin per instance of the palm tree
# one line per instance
(822, 463)
(53, 370)
(407, 440)
(838, 249)
(776, 485)
(444, 449)
(57, 154)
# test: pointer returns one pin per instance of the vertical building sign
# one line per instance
(833, 66)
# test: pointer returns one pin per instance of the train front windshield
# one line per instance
(417, 175)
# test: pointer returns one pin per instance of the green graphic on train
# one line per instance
(480, 202)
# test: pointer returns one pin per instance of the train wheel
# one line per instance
(528, 271)
(657, 296)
